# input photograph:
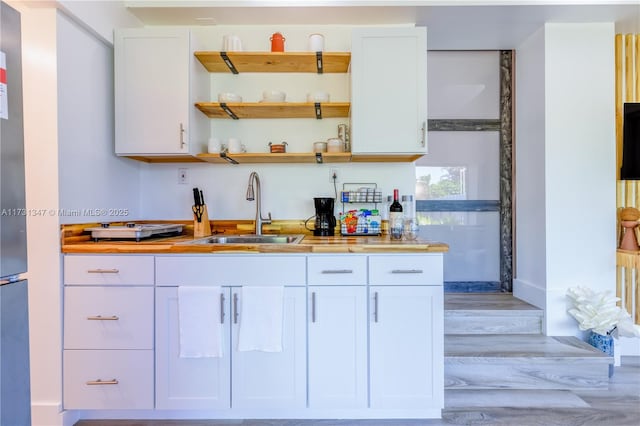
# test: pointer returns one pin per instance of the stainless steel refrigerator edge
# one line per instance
(15, 394)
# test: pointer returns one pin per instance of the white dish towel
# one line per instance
(201, 334)
(261, 319)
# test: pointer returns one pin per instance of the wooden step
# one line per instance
(490, 313)
(523, 361)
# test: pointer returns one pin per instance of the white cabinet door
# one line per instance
(153, 103)
(188, 383)
(337, 346)
(389, 90)
(273, 379)
(406, 347)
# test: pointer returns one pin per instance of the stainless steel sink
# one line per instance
(249, 239)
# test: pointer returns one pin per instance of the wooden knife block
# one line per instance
(202, 228)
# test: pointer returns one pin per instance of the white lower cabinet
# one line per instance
(337, 346)
(188, 383)
(240, 379)
(362, 337)
(406, 347)
(268, 380)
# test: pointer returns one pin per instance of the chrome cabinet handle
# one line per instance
(235, 308)
(337, 271)
(182, 142)
(103, 271)
(101, 318)
(375, 306)
(423, 132)
(407, 271)
(313, 306)
(103, 382)
(221, 308)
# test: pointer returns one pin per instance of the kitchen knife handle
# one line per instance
(103, 271)
(103, 382)
(337, 271)
(101, 318)
(235, 308)
(375, 306)
(221, 308)
(182, 142)
(313, 306)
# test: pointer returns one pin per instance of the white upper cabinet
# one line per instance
(389, 91)
(156, 84)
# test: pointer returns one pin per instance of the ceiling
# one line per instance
(452, 24)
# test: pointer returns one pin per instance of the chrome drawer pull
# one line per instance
(375, 306)
(313, 306)
(221, 308)
(101, 318)
(235, 308)
(103, 382)
(407, 271)
(338, 271)
(103, 271)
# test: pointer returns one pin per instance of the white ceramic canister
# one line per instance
(335, 145)
(214, 145)
(319, 147)
(316, 42)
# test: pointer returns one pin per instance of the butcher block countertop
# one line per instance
(75, 240)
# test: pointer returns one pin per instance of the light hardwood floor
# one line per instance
(617, 406)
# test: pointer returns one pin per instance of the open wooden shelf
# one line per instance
(332, 62)
(286, 157)
(274, 109)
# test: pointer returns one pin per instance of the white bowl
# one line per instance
(318, 97)
(273, 96)
(229, 97)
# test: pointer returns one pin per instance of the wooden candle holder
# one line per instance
(202, 228)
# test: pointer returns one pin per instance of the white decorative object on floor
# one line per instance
(261, 319)
(199, 319)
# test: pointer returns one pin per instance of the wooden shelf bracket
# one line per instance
(318, 111)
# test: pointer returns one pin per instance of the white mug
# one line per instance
(231, 43)
(316, 42)
(214, 145)
(235, 146)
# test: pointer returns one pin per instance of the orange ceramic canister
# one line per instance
(277, 42)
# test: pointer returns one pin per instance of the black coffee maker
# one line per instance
(325, 220)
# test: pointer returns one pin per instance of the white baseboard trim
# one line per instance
(49, 414)
(530, 293)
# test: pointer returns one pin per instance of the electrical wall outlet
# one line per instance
(183, 177)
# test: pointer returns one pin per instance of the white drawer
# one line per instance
(108, 317)
(108, 270)
(232, 270)
(405, 269)
(337, 270)
(127, 380)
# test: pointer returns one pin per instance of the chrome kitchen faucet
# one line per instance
(251, 196)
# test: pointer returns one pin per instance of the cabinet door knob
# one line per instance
(337, 271)
(221, 308)
(423, 134)
(235, 308)
(313, 306)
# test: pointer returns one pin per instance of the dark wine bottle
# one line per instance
(395, 217)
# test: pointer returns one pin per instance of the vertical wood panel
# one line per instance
(619, 52)
(636, 52)
(629, 91)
